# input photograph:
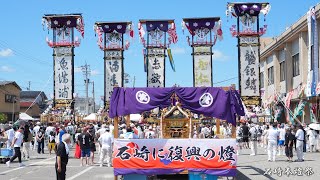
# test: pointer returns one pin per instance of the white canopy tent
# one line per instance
(25, 116)
(135, 117)
(91, 117)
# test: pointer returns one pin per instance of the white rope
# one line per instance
(34, 101)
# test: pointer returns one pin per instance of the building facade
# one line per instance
(33, 103)
(10, 99)
(284, 68)
(80, 105)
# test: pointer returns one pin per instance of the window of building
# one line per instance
(270, 75)
(282, 71)
(10, 98)
(261, 80)
(296, 65)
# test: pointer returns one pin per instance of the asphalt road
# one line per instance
(41, 167)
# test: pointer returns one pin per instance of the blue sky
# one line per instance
(24, 55)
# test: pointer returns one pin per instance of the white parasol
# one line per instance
(315, 126)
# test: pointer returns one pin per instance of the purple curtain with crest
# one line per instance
(209, 101)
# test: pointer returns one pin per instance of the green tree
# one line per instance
(3, 118)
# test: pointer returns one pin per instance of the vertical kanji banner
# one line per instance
(163, 156)
(202, 66)
(156, 69)
(113, 71)
(249, 70)
(63, 75)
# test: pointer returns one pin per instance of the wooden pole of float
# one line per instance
(233, 131)
(127, 117)
(217, 126)
(161, 127)
(116, 133)
(190, 126)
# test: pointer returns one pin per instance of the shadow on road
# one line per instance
(260, 172)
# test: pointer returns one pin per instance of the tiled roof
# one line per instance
(32, 94)
(3, 83)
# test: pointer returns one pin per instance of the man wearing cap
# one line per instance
(106, 142)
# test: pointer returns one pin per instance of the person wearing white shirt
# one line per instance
(282, 134)
(16, 144)
(150, 134)
(253, 140)
(273, 136)
(10, 134)
(300, 139)
(35, 131)
(106, 142)
(99, 133)
(312, 140)
(49, 129)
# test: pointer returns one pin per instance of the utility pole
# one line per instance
(134, 81)
(29, 85)
(94, 100)
(86, 73)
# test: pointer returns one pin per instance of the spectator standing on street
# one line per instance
(245, 131)
(16, 144)
(300, 141)
(106, 141)
(51, 142)
(27, 138)
(273, 136)
(253, 140)
(282, 133)
(35, 131)
(62, 157)
(62, 131)
(312, 134)
(40, 140)
(10, 134)
(289, 137)
(84, 142)
(92, 138)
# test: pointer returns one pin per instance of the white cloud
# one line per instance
(6, 69)
(219, 56)
(77, 69)
(6, 52)
(95, 72)
(178, 50)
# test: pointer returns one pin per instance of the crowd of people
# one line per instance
(96, 138)
(278, 139)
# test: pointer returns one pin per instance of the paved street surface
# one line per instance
(41, 167)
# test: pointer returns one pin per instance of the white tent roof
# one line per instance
(91, 116)
(135, 117)
(24, 116)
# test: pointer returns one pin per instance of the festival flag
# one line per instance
(171, 60)
(173, 37)
(312, 78)
(145, 58)
(80, 26)
(313, 109)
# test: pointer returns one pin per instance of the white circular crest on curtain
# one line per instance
(206, 100)
(142, 97)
